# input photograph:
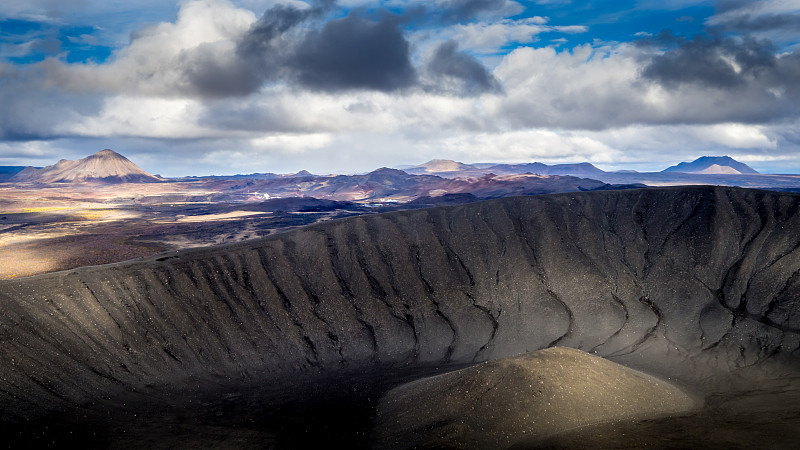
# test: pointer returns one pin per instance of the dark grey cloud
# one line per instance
(773, 20)
(265, 35)
(734, 79)
(459, 70)
(208, 76)
(708, 62)
(770, 22)
(354, 53)
(460, 10)
(260, 56)
(365, 50)
(34, 110)
(297, 46)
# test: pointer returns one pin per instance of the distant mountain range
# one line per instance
(426, 182)
(706, 165)
(393, 185)
(105, 166)
(111, 167)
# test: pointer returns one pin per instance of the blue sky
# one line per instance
(215, 86)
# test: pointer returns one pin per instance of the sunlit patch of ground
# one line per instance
(44, 209)
(35, 256)
(223, 216)
(437, 192)
(107, 215)
(51, 228)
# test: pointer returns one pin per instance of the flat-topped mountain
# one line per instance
(105, 166)
(712, 165)
(438, 166)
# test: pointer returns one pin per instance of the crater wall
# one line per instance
(694, 283)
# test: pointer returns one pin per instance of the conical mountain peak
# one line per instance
(104, 166)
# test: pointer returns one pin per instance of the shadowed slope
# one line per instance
(693, 283)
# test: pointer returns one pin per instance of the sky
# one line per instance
(201, 87)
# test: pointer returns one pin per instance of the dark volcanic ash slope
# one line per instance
(688, 282)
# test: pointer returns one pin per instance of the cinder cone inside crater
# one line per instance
(498, 403)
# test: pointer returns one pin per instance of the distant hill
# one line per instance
(105, 166)
(438, 166)
(579, 169)
(712, 165)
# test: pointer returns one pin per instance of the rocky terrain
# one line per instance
(697, 285)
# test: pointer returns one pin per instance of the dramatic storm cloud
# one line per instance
(354, 53)
(216, 86)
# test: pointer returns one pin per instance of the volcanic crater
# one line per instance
(294, 339)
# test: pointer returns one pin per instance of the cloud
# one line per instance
(353, 53)
(240, 64)
(267, 34)
(671, 5)
(488, 37)
(215, 50)
(712, 62)
(769, 148)
(749, 14)
(167, 59)
(457, 72)
(492, 37)
(621, 85)
(136, 116)
(778, 20)
(737, 136)
(35, 110)
(582, 88)
(464, 10)
(526, 146)
(764, 23)
(743, 76)
(41, 9)
(215, 71)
